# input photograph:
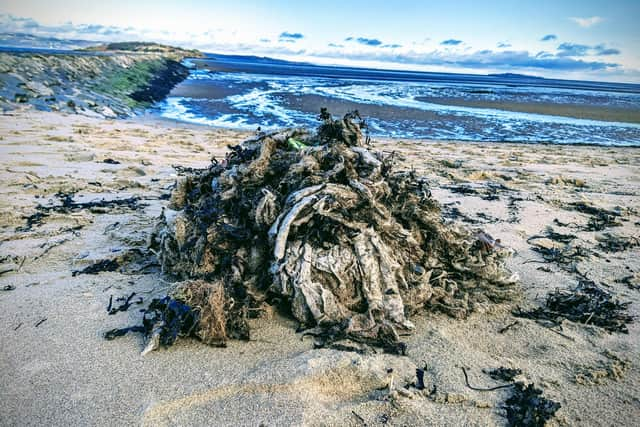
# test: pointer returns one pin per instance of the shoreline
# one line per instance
(151, 116)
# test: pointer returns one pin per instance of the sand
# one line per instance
(62, 372)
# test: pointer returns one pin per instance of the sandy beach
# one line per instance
(57, 369)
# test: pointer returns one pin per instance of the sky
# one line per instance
(588, 39)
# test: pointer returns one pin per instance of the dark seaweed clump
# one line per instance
(600, 218)
(527, 407)
(587, 303)
(504, 374)
(68, 205)
(176, 318)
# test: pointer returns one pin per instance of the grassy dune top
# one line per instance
(172, 52)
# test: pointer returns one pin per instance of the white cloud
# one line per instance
(587, 22)
(425, 55)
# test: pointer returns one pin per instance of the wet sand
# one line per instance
(609, 114)
(60, 371)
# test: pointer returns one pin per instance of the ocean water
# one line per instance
(249, 92)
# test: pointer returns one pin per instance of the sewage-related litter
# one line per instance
(322, 225)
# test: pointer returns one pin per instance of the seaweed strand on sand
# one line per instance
(587, 303)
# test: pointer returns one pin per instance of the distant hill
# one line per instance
(146, 47)
(32, 41)
(515, 76)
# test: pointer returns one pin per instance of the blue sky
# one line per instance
(587, 39)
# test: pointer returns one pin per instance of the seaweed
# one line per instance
(120, 332)
(98, 267)
(454, 213)
(509, 326)
(587, 304)
(126, 303)
(527, 407)
(609, 242)
(466, 380)
(133, 260)
(68, 205)
(550, 233)
(631, 280)
(464, 189)
(600, 218)
(512, 208)
(164, 320)
(420, 378)
(562, 256)
(504, 374)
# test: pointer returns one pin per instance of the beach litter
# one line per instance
(321, 225)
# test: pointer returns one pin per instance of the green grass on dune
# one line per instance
(122, 82)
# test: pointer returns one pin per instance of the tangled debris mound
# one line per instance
(326, 227)
(588, 303)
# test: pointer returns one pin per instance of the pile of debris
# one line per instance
(324, 227)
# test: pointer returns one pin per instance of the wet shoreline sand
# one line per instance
(604, 113)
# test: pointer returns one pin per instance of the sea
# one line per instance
(246, 92)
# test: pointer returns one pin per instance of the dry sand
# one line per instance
(62, 372)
